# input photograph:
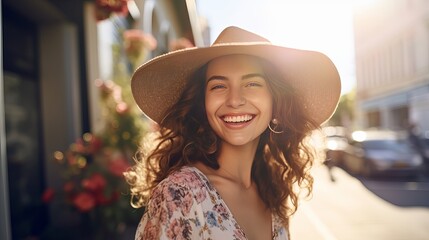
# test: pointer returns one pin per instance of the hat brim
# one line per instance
(157, 84)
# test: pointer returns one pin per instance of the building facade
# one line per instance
(392, 64)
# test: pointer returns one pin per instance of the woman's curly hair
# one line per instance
(282, 160)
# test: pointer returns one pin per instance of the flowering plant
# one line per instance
(92, 168)
(137, 44)
(92, 174)
(104, 8)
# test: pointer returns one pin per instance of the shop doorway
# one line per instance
(23, 123)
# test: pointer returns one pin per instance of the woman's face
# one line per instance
(237, 99)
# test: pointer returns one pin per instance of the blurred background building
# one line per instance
(392, 64)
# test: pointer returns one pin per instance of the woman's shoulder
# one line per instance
(184, 180)
(186, 176)
(174, 207)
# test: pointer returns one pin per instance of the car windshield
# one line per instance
(397, 145)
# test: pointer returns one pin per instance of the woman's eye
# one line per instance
(214, 87)
(254, 84)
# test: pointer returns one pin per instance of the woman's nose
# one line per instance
(235, 98)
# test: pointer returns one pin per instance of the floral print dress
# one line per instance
(186, 206)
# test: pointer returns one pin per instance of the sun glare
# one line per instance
(363, 3)
(320, 25)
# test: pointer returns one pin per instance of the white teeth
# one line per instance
(236, 119)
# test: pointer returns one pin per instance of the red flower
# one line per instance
(102, 13)
(95, 183)
(84, 202)
(91, 143)
(96, 144)
(71, 158)
(103, 8)
(48, 195)
(79, 146)
(112, 5)
(118, 166)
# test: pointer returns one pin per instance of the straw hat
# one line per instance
(158, 83)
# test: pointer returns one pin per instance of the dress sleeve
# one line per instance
(172, 213)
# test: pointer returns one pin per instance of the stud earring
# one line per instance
(275, 122)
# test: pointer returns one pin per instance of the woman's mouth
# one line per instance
(237, 118)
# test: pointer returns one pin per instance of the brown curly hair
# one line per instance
(282, 160)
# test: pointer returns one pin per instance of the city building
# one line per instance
(392, 64)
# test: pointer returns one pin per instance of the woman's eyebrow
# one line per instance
(217, 77)
(244, 77)
(252, 75)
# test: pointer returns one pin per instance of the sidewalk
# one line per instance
(305, 224)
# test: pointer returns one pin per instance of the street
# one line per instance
(352, 209)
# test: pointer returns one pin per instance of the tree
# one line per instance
(345, 112)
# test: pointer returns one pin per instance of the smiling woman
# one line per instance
(232, 123)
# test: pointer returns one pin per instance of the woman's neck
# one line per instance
(236, 163)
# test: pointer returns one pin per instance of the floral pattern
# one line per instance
(186, 206)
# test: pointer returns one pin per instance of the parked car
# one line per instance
(372, 153)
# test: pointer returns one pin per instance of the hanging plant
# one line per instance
(137, 44)
(104, 8)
